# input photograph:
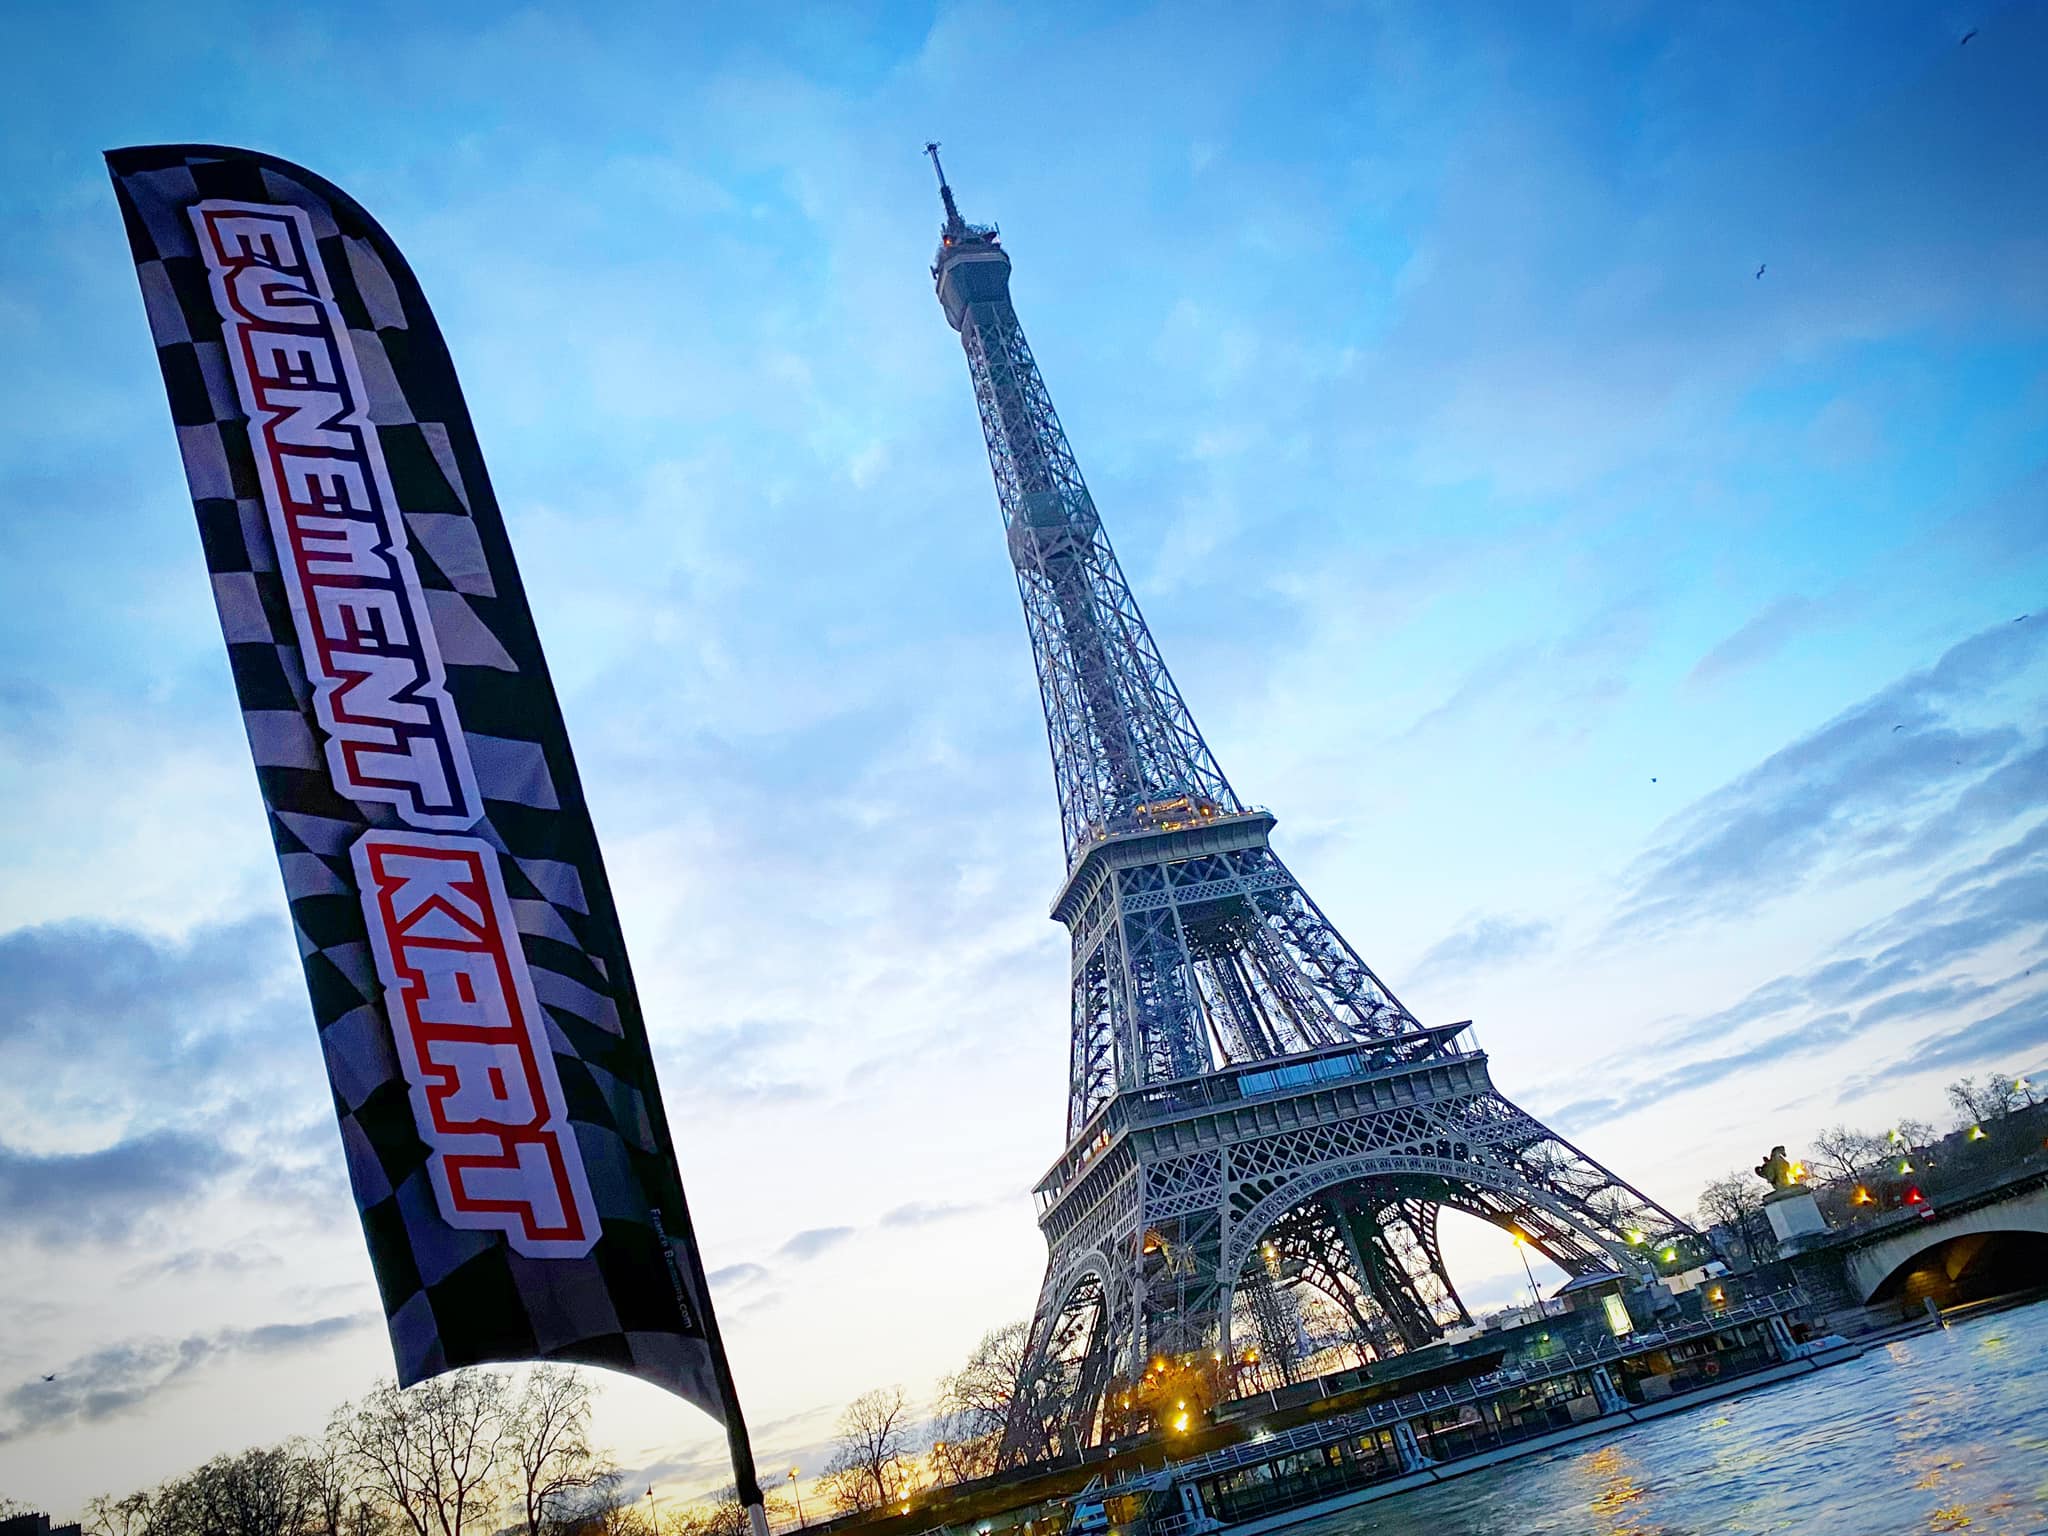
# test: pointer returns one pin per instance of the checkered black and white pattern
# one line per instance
(636, 1301)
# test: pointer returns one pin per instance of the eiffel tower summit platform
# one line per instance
(1259, 1135)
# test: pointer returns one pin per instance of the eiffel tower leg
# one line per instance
(1413, 1224)
(1106, 1281)
(1177, 1315)
(1386, 1266)
(1067, 1366)
(1312, 1244)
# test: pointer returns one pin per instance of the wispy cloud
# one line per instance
(108, 1194)
(923, 1213)
(737, 1276)
(2020, 1029)
(1933, 959)
(106, 1022)
(1484, 941)
(1758, 640)
(813, 1241)
(124, 1377)
(1907, 772)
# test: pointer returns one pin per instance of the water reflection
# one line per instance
(1943, 1432)
(1617, 1493)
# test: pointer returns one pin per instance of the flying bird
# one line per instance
(1967, 36)
(51, 1377)
(1760, 268)
(2021, 619)
(1896, 729)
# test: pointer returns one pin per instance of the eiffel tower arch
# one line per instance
(1256, 1129)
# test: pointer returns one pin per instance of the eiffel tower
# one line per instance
(1258, 1133)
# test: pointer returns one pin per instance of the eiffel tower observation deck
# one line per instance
(1259, 1135)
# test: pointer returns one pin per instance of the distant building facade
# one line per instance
(36, 1525)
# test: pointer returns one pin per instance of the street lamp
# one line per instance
(1522, 1247)
(794, 1494)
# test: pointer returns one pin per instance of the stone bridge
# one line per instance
(1998, 1233)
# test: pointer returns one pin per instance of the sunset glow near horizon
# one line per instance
(1644, 657)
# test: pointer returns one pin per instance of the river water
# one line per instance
(1944, 1431)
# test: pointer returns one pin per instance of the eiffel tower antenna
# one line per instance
(954, 223)
(1259, 1136)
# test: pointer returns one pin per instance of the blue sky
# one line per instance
(1626, 642)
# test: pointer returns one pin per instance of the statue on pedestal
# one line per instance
(1780, 1171)
(1795, 1217)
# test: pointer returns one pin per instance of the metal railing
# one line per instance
(1431, 1399)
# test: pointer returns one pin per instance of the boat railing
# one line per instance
(1266, 1446)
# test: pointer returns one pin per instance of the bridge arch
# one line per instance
(1987, 1250)
(1246, 1230)
(1449, 1179)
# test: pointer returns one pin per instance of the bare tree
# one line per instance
(870, 1447)
(344, 1503)
(1844, 1155)
(433, 1453)
(1913, 1135)
(1735, 1203)
(960, 1456)
(721, 1514)
(1977, 1099)
(975, 1404)
(105, 1516)
(269, 1491)
(609, 1508)
(547, 1445)
(175, 1508)
(332, 1488)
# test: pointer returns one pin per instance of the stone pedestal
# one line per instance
(1795, 1219)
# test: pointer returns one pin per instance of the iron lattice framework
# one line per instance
(1251, 1111)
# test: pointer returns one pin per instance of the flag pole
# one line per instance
(746, 1481)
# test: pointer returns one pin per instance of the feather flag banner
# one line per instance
(503, 1129)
